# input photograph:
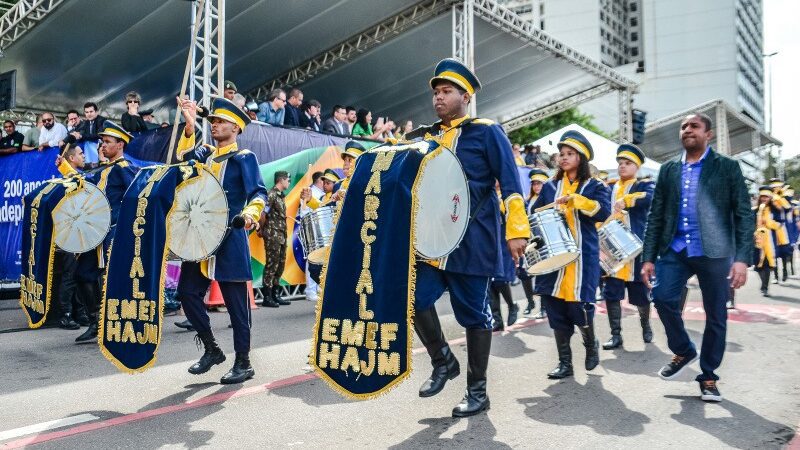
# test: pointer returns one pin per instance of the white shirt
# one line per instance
(317, 192)
(52, 136)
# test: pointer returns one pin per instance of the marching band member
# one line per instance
(485, 154)
(634, 197)
(538, 177)
(230, 266)
(764, 261)
(791, 225)
(569, 294)
(71, 164)
(113, 180)
(779, 206)
(352, 150)
(501, 284)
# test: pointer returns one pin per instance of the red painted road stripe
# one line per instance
(204, 401)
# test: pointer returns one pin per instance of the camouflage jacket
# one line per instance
(274, 217)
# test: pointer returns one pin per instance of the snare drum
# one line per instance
(618, 246)
(316, 233)
(557, 247)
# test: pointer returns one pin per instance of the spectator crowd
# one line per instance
(282, 108)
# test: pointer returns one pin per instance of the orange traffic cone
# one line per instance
(215, 299)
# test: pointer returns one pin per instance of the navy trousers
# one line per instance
(614, 290)
(468, 295)
(192, 288)
(565, 316)
(672, 272)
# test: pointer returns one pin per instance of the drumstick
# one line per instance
(189, 64)
(66, 147)
(302, 201)
(548, 206)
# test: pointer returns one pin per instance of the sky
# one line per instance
(782, 35)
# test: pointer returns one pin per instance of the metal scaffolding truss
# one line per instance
(208, 54)
(22, 17)
(536, 112)
(464, 40)
(509, 21)
(208, 70)
(356, 45)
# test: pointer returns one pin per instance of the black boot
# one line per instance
(527, 286)
(445, 364)
(785, 269)
(614, 309)
(513, 309)
(212, 355)
(276, 295)
(91, 298)
(644, 319)
(241, 370)
(564, 368)
(494, 304)
(479, 343)
(269, 300)
(90, 334)
(592, 346)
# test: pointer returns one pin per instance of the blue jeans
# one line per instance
(672, 272)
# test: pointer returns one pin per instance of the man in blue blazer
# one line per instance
(700, 224)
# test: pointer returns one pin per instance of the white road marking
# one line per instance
(46, 426)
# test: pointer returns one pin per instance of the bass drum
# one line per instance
(82, 219)
(442, 196)
(198, 221)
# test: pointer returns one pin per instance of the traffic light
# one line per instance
(639, 118)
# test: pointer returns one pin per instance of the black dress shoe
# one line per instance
(186, 325)
(68, 324)
(211, 356)
(241, 370)
(89, 335)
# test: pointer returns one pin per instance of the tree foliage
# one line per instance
(534, 131)
(792, 172)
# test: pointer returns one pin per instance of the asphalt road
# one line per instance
(620, 404)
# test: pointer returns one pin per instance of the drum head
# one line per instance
(199, 218)
(443, 197)
(320, 255)
(552, 264)
(81, 220)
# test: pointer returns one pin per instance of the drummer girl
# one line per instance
(538, 177)
(568, 294)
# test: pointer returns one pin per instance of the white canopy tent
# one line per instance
(605, 150)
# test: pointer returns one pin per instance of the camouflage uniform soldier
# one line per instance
(273, 230)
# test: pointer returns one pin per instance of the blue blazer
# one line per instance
(484, 151)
